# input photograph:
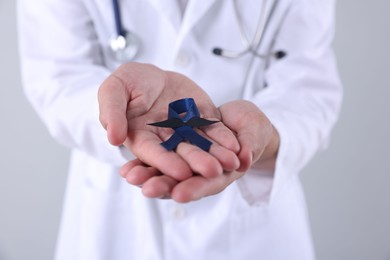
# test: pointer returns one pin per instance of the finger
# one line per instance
(130, 90)
(225, 154)
(246, 155)
(198, 187)
(113, 99)
(127, 167)
(227, 158)
(252, 127)
(146, 147)
(139, 174)
(159, 187)
(204, 163)
(199, 161)
(251, 150)
(209, 164)
(223, 136)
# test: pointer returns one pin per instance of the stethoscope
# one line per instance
(125, 45)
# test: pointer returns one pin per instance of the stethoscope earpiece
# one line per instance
(218, 51)
(280, 54)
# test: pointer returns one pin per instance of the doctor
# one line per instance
(288, 75)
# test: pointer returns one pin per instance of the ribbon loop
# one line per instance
(183, 125)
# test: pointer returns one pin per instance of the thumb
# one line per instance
(113, 99)
(253, 130)
(128, 92)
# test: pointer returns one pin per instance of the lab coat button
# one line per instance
(179, 212)
(183, 60)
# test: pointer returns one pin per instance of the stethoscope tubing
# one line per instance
(129, 40)
(118, 20)
(251, 46)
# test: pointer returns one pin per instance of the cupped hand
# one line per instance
(137, 94)
(155, 184)
(259, 144)
(259, 140)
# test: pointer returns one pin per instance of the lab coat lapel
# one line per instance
(170, 10)
(195, 10)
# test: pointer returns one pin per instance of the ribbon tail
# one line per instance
(194, 138)
(172, 142)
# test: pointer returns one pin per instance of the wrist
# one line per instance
(268, 158)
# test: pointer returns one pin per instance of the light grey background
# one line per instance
(347, 186)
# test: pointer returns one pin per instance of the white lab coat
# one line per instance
(65, 57)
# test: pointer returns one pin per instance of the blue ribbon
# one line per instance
(183, 125)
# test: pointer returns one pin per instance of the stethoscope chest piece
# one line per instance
(124, 47)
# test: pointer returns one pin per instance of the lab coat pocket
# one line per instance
(100, 218)
(102, 198)
(102, 177)
(117, 224)
(249, 230)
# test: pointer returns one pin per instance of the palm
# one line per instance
(142, 97)
(254, 133)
